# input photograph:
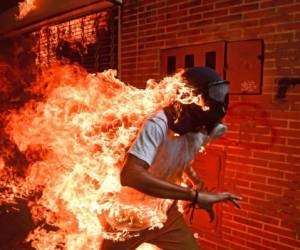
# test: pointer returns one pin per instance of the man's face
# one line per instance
(206, 114)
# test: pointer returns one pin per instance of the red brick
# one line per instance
(256, 129)
(188, 32)
(190, 4)
(144, 39)
(232, 224)
(147, 14)
(207, 245)
(266, 188)
(227, 3)
(230, 209)
(147, 26)
(282, 166)
(295, 107)
(243, 24)
(129, 29)
(294, 142)
(154, 6)
(215, 13)
(289, 132)
(275, 19)
(176, 42)
(244, 8)
(237, 242)
(260, 30)
(167, 9)
(248, 222)
(249, 192)
(246, 236)
(275, 123)
(289, 115)
(230, 18)
(258, 204)
(190, 18)
(263, 234)
(279, 182)
(256, 246)
(291, 8)
(283, 2)
(269, 156)
(201, 9)
(289, 221)
(200, 23)
(287, 45)
(236, 151)
(243, 159)
(286, 149)
(263, 218)
(270, 140)
(259, 13)
(176, 14)
(294, 242)
(235, 246)
(276, 245)
(295, 160)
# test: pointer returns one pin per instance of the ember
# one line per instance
(75, 135)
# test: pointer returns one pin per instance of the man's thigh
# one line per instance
(174, 235)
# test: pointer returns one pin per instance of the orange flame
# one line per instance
(26, 7)
(75, 135)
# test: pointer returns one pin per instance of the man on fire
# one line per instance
(163, 152)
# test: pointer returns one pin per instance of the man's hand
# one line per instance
(207, 200)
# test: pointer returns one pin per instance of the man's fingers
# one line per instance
(235, 203)
(234, 199)
(229, 196)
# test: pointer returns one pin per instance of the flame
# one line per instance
(26, 7)
(75, 134)
(147, 246)
(54, 39)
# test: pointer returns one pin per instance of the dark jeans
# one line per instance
(175, 235)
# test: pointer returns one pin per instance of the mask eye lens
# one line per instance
(218, 91)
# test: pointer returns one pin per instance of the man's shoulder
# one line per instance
(160, 118)
(152, 134)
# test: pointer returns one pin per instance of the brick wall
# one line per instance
(262, 145)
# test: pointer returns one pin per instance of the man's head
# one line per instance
(213, 90)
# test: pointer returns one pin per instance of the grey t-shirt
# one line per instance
(166, 154)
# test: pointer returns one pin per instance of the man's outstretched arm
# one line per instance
(135, 175)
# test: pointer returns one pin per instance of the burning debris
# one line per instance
(74, 135)
(26, 7)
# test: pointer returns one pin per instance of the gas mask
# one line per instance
(216, 98)
(215, 93)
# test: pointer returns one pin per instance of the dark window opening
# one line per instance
(189, 61)
(171, 64)
(210, 59)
